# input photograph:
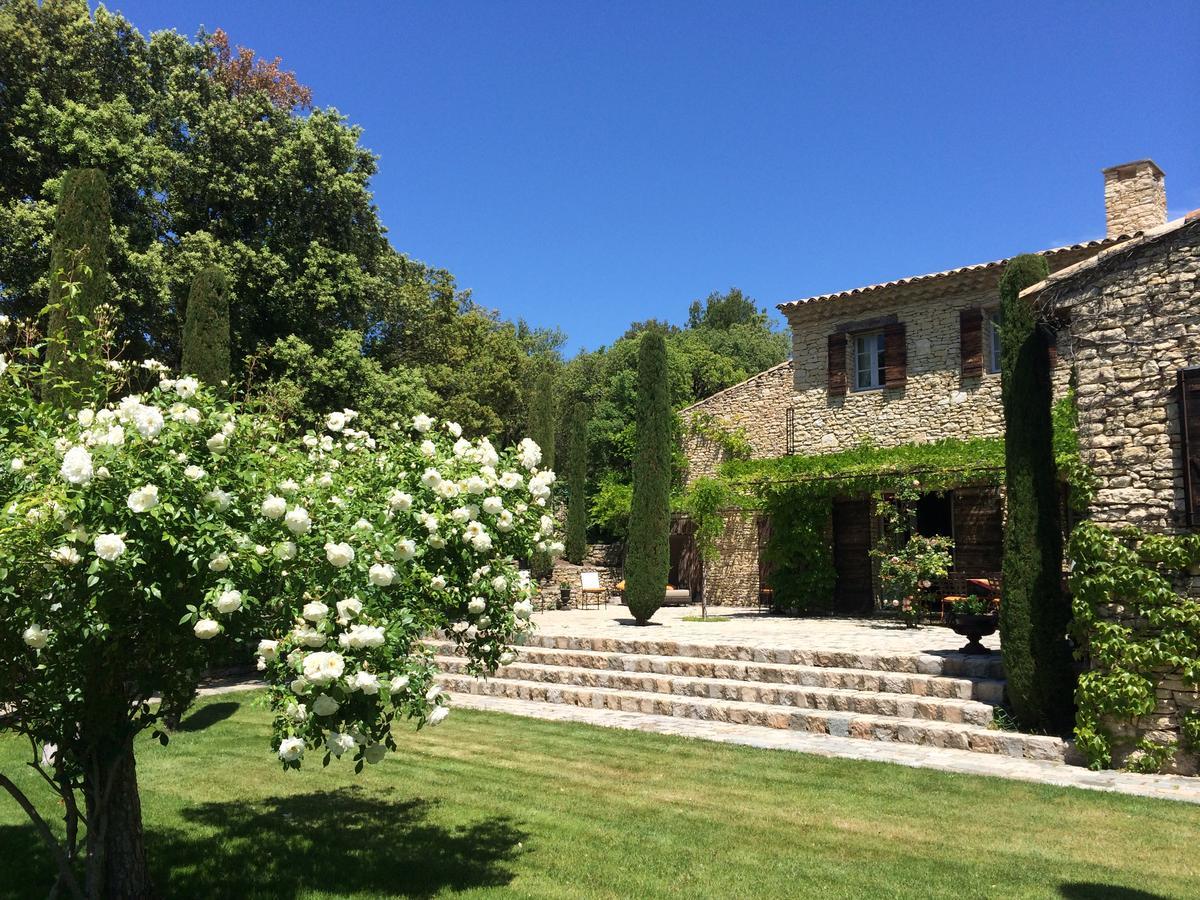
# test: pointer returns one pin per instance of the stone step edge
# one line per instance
(969, 708)
(952, 664)
(975, 683)
(978, 739)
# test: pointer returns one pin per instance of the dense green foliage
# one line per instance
(1035, 614)
(78, 284)
(648, 557)
(577, 444)
(543, 417)
(206, 328)
(1159, 631)
(1073, 472)
(464, 810)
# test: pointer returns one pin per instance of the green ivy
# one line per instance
(1080, 480)
(1136, 571)
(732, 440)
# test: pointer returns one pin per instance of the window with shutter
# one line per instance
(837, 364)
(1189, 429)
(895, 352)
(970, 336)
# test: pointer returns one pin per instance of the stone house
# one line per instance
(912, 360)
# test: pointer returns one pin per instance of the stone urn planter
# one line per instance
(973, 627)
(564, 596)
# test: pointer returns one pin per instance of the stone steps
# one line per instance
(984, 690)
(863, 702)
(923, 732)
(947, 664)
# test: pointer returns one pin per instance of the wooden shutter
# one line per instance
(895, 356)
(1189, 430)
(837, 364)
(970, 339)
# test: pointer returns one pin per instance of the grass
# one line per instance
(707, 618)
(494, 806)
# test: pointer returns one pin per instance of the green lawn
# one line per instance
(490, 805)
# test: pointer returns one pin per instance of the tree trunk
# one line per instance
(116, 863)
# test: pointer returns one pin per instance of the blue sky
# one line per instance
(586, 164)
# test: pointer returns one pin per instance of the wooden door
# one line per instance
(853, 594)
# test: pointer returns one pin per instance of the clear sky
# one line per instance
(586, 164)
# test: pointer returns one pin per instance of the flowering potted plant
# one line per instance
(973, 618)
(909, 562)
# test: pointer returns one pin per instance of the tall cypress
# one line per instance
(542, 417)
(79, 259)
(206, 328)
(1034, 613)
(577, 438)
(648, 557)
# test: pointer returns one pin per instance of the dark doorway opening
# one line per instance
(935, 516)
(853, 594)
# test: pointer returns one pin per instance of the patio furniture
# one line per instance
(589, 582)
(960, 586)
(677, 597)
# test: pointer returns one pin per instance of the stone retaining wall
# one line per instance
(607, 560)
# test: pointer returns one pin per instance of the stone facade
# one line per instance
(1135, 197)
(732, 579)
(1135, 324)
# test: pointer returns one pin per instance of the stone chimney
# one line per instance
(1135, 198)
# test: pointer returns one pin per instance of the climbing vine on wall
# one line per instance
(1134, 574)
(731, 439)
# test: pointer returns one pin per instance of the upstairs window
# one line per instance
(869, 361)
(991, 339)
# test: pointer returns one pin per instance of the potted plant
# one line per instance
(973, 618)
(564, 595)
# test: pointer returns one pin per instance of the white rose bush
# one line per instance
(142, 539)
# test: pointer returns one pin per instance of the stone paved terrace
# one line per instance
(750, 628)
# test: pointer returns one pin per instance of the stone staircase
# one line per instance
(931, 700)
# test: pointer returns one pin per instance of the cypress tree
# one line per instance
(206, 328)
(542, 418)
(577, 437)
(648, 557)
(78, 257)
(1034, 614)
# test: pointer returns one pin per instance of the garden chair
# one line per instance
(589, 582)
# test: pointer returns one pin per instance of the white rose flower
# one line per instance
(268, 649)
(476, 485)
(285, 550)
(335, 421)
(374, 753)
(476, 605)
(499, 584)
(431, 478)
(186, 388)
(523, 609)
(493, 505)
(297, 712)
(309, 637)
(429, 521)
(460, 627)
(436, 541)
(438, 715)
(381, 574)
(504, 521)
(229, 601)
(35, 636)
(85, 417)
(77, 466)
(219, 562)
(219, 498)
(406, 549)
(359, 636)
(363, 525)
(339, 555)
(482, 542)
(438, 582)
(322, 667)
(288, 487)
(398, 684)
(367, 682)
(447, 490)
(274, 507)
(16, 464)
(65, 556)
(337, 742)
(108, 546)
(217, 443)
(291, 749)
(195, 473)
(530, 453)
(191, 415)
(325, 705)
(400, 501)
(299, 685)
(349, 608)
(315, 611)
(143, 499)
(434, 692)
(510, 480)
(297, 520)
(206, 629)
(507, 657)
(148, 421)
(428, 449)
(461, 514)
(462, 448)
(422, 422)
(454, 428)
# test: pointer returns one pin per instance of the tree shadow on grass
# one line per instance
(1085, 890)
(26, 868)
(344, 841)
(209, 715)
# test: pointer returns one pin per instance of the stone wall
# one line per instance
(732, 578)
(1135, 323)
(1135, 197)
(607, 560)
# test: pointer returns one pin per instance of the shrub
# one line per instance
(206, 328)
(1035, 614)
(648, 558)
